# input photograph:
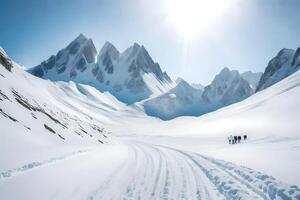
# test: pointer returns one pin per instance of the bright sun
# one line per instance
(191, 16)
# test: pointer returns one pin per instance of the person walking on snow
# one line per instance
(230, 139)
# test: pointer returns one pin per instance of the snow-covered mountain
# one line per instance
(285, 63)
(198, 86)
(179, 101)
(130, 76)
(252, 78)
(228, 87)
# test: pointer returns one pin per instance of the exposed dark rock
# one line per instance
(38, 71)
(49, 129)
(90, 52)
(81, 64)
(50, 63)
(100, 141)
(73, 47)
(274, 66)
(77, 133)
(25, 103)
(5, 61)
(7, 115)
(132, 67)
(73, 73)
(98, 73)
(167, 77)
(107, 63)
(33, 115)
(296, 55)
(61, 68)
(61, 137)
(4, 95)
(83, 130)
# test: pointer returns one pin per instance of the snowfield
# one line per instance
(63, 140)
(137, 170)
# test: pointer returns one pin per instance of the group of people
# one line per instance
(236, 139)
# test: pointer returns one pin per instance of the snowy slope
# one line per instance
(285, 63)
(130, 76)
(227, 87)
(55, 136)
(53, 118)
(269, 118)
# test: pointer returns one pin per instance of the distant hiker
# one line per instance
(230, 139)
(245, 137)
(239, 138)
(235, 139)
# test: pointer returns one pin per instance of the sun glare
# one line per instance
(191, 16)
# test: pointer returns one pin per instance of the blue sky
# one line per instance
(246, 37)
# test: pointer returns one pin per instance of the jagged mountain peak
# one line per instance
(108, 46)
(110, 50)
(225, 77)
(134, 51)
(80, 38)
(226, 72)
(252, 78)
(227, 87)
(130, 76)
(68, 62)
(178, 80)
(183, 84)
(285, 63)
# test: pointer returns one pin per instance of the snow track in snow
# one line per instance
(158, 172)
(149, 171)
(29, 166)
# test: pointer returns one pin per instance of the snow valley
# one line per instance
(113, 125)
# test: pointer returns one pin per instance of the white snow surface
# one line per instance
(141, 157)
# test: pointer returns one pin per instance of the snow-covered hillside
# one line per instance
(43, 111)
(57, 137)
(130, 76)
(285, 63)
(227, 87)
